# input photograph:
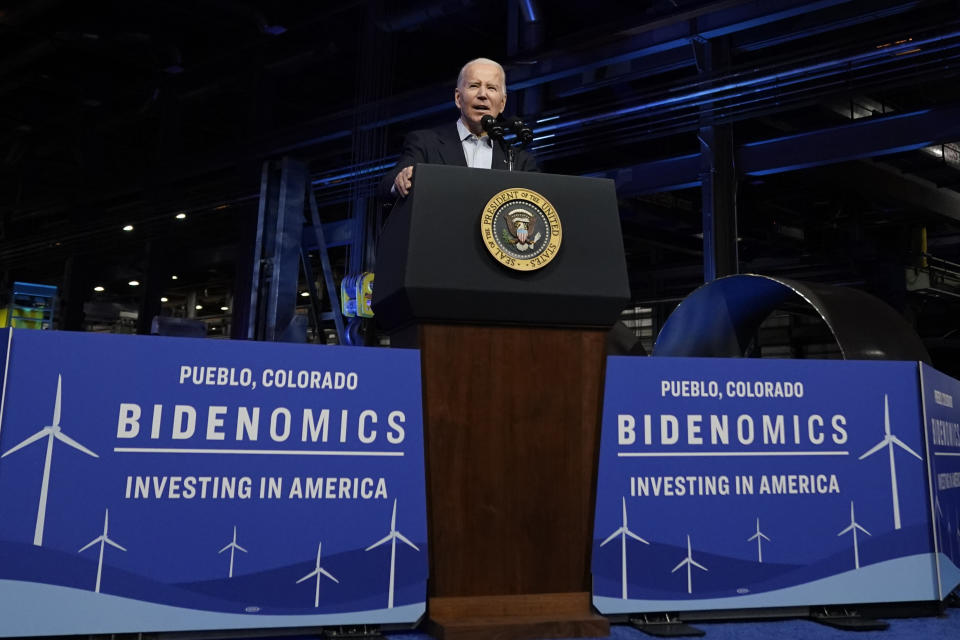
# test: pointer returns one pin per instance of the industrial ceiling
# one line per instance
(844, 117)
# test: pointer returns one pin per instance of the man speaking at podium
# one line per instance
(481, 91)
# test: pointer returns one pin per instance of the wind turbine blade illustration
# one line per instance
(635, 536)
(874, 449)
(106, 524)
(113, 544)
(233, 546)
(307, 577)
(379, 542)
(50, 432)
(900, 444)
(90, 544)
(888, 441)
(39, 434)
(853, 527)
(759, 537)
(59, 435)
(324, 572)
(392, 537)
(623, 531)
(318, 571)
(103, 538)
(612, 536)
(403, 538)
(690, 562)
(56, 404)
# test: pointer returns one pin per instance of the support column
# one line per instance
(718, 174)
(75, 291)
(154, 279)
(525, 35)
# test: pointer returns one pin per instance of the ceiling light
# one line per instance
(164, 300)
(134, 283)
(98, 288)
(181, 216)
(304, 294)
(173, 277)
(224, 308)
(198, 307)
(129, 227)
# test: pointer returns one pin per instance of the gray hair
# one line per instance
(463, 69)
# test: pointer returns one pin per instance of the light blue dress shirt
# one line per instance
(477, 151)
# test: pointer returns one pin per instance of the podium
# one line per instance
(512, 365)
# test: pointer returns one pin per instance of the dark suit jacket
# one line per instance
(442, 145)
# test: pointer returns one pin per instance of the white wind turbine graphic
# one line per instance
(392, 537)
(759, 537)
(853, 527)
(233, 546)
(51, 432)
(888, 441)
(318, 572)
(102, 539)
(623, 532)
(690, 562)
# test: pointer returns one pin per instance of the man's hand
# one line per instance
(403, 182)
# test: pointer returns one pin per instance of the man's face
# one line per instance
(482, 93)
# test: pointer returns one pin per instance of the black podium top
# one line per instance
(433, 266)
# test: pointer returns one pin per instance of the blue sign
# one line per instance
(941, 402)
(746, 483)
(161, 484)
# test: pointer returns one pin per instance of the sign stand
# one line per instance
(847, 620)
(665, 628)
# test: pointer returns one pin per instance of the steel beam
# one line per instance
(865, 138)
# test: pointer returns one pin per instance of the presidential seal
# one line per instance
(521, 229)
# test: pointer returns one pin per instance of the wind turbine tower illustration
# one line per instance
(318, 572)
(51, 432)
(233, 546)
(888, 441)
(759, 537)
(392, 537)
(623, 532)
(102, 539)
(690, 562)
(853, 527)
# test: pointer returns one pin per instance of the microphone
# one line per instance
(522, 131)
(493, 128)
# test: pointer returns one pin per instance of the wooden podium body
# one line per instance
(512, 366)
